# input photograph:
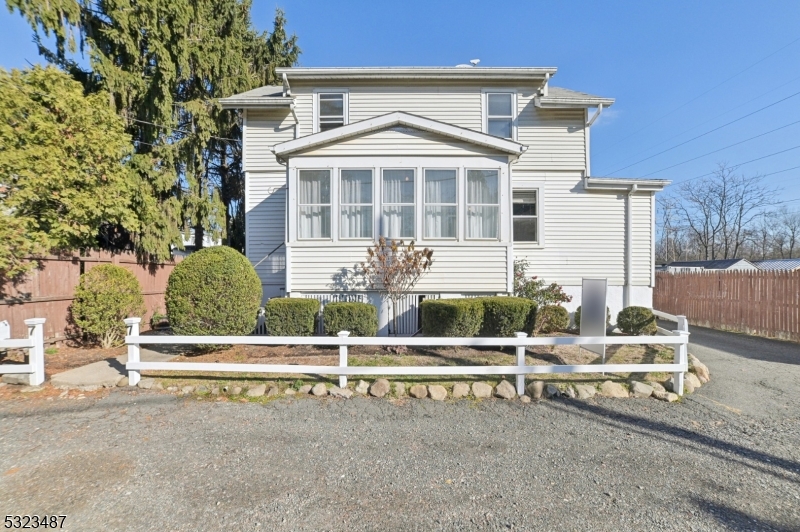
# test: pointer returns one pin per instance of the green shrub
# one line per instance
(452, 317)
(504, 316)
(291, 316)
(215, 292)
(361, 319)
(578, 317)
(637, 321)
(105, 296)
(550, 319)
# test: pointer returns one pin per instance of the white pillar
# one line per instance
(521, 363)
(36, 353)
(343, 359)
(133, 350)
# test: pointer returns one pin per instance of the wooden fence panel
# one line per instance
(47, 292)
(764, 303)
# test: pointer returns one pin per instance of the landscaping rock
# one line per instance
(613, 389)
(319, 389)
(362, 387)
(640, 389)
(344, 393)
(399, 389)
(585, 391)
(158, 386)
(123, 382)
(290, 391)
(16, 378)
(524, 399)
(691, 381)
(551, 390)
(146, 383)
(2, 384)
(481, 390)
(215, 390)
(700, 369)
(257, 391)
(201, 389)
(380, 388)
(236, 390)
(172, 388)
(273, 391)
(535, 390)
(665, 396)
(569, 391)
(505, 390)
(657, 386)
(187, 389)
(460, 389)
(306, 388)
(437, 392)
(419, 391)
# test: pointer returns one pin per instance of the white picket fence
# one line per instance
(34, 343)
(679, 339)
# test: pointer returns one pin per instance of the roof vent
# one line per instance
(472, 63)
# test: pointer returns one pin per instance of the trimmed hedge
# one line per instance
(504, 316)
(452, 317)
(361, 319)
(637, 321)
(551, 318)
(215, 292)
(578, 317)
(291, 316)
(105, 296)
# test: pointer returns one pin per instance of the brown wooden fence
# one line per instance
(766, 303)
(48, 291)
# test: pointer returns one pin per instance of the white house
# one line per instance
(708, 265)
(483, 165)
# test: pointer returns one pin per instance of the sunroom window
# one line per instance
(331, 110)
(356, 204)
(441, 204)
(397, 217)
(526, 215)
(483, 204)
(314, 204)
(500, 115)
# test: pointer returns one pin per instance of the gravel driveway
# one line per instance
(727, 458)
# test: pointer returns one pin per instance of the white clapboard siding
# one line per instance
(555, 137)
(266, 228)
(263, 129)
(455, 268)
(585, 234)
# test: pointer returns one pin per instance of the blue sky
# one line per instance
(677, 69)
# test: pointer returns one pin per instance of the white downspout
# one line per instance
(626, 292)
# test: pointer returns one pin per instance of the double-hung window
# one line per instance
(483, 203)
(526, 215)
(314, 203)
(500, 114)
(331, 110)
(356, 204)
(441, 203)
(397, 216)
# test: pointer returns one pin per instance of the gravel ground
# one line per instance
(727, 458)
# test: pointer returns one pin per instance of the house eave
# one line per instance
(624, 184)
(256, 103)
(418, 73)
(544, 102)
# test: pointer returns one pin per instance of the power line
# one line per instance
(725, 147)
(734, 167)
(706, 92)
(706, 133)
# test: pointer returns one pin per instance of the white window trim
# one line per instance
(539, 187)
(485, 109)
(339, 204)
(467, 204)
(333, 202)
(379, 200)
(315, 105)
(459, 204)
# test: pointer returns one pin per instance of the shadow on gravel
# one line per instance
(734, 519)
(713, 446)
(746, 346)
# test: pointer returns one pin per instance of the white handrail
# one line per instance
(34, 343)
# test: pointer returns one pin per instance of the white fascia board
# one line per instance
(256, 103)
(610, 183)
(398, 118)
(546, 102)
(410, 73)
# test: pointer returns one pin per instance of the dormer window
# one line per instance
(332, 110)
(499, 117)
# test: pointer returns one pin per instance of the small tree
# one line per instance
(393, 268)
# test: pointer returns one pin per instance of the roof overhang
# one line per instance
(256, 102)
(550, 102)
(624, 184)
(398, 118)
(417, 73)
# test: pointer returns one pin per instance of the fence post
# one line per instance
(520, 364)
(36, 352)
(343, 359)
(133, 350)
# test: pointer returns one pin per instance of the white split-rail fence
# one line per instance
(34, 343)
(679, 339)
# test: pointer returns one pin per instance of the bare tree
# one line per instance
(789, 223)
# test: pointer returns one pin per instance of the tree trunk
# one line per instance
(198, 237)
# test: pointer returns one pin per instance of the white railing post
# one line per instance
(682, 358)
(343, 359)
(521, 364)
(36, 352)
(683, 324)
(133, 349)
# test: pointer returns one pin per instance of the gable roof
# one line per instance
(267, 96)
(398, 118)
(719, 264)
(777, 264)
(560, 97)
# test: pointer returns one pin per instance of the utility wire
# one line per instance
(734, 167)
(706, 92)
(706, 133)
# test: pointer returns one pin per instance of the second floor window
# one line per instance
(500, 115)
(331, 110)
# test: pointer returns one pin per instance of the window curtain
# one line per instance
(483, 201)
(397, 219)
(356, 201)
(440, 204)
(314, 187)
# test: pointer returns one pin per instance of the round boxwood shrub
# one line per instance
(452, 317)
(361, 319)
(105, 296)
(214, 292)
(578, 317)
(550, 319)
(292, 316)
(504, 316)
(637, 321)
